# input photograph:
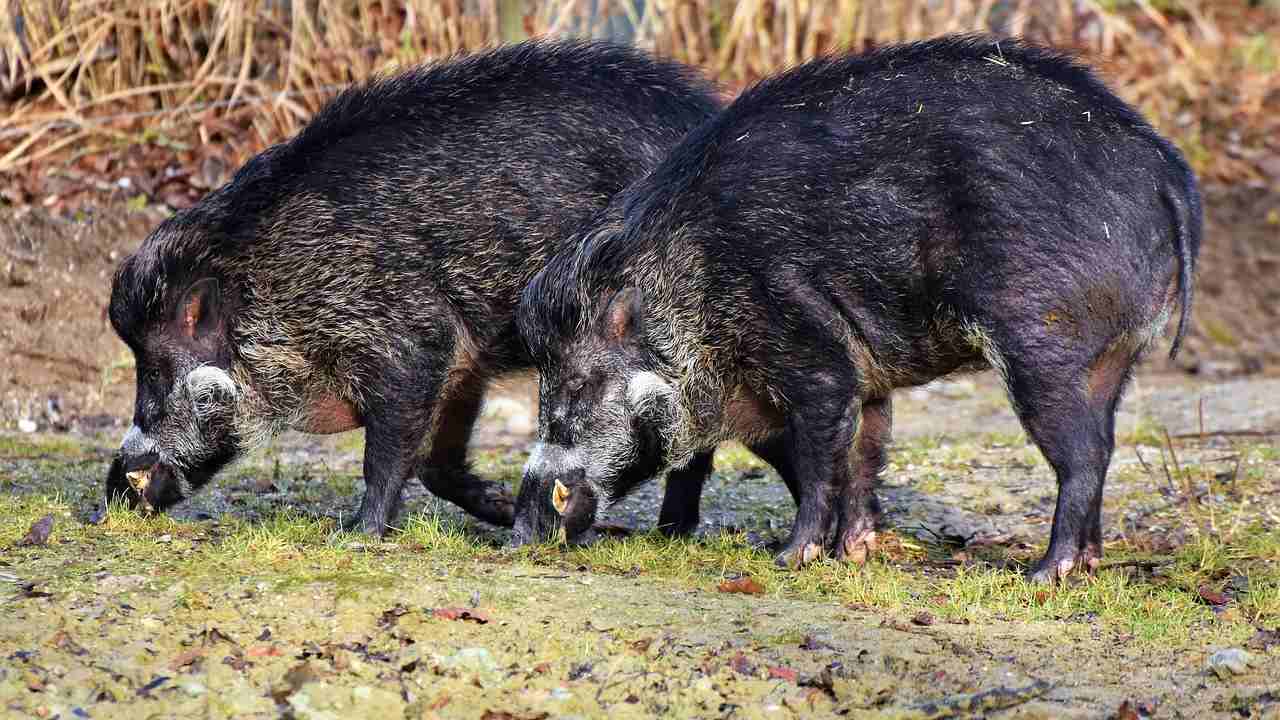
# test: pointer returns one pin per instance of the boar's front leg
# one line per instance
(683, 495)
(680, 503)
(819, 436)
(445, 472)
(396, 423)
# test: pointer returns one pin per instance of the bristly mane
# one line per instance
(389, 109)
(562, 297)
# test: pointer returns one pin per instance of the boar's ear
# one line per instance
(197, 314)
(623, 318)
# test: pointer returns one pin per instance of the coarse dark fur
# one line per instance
(856, 225)
(366, 272)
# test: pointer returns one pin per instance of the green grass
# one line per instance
(289, 550)
(286, 548)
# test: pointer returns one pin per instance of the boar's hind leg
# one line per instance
(679, 514)
(1067, 401)
(859, 508)
(445, 471)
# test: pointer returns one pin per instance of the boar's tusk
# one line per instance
(138, 480)
(560, 497)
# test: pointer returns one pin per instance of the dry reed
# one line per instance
(85, 76)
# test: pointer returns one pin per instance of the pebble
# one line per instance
(27, 425)
(1226, 663)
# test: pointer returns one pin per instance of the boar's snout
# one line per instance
(137, 451)
(556, 501)
(137, 454)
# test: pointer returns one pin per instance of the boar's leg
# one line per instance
(774, 452)
(679, 514)
(819, 439)
(1068, 408)
(859, 508)
(445, 471)
(395, 427)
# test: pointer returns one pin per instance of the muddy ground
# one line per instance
(248, 602)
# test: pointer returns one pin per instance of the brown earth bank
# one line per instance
(63, 366)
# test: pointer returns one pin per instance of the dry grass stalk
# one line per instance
(195, 65)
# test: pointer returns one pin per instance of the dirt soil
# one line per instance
(248, 603)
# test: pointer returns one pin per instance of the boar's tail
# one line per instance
(1187, 223)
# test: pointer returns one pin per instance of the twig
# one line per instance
(1145, 467)
(1223, 433)
(979, 704)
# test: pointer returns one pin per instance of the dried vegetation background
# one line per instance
(198, 78)
(154, 102)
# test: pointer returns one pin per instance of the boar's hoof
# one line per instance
(1050, 570)
(796, 557)
(358, 523)
(492, 502)
(489, 501)
(856, 547)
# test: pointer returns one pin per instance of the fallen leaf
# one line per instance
(504, 715)
(783, 673)
(922, 618)
(1213, 597)
(1126, 712)
(439, 702)
(1264, 640)
(63, 641)
(741, 665)
(39, 533)
(186, 658)
(391, 617)
(744, 585)
(1042, 597)
(263, 651)
(542, 668)
(462, 614)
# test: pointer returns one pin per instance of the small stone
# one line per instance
(1233, 661)
(27, 425)
(473, 660)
